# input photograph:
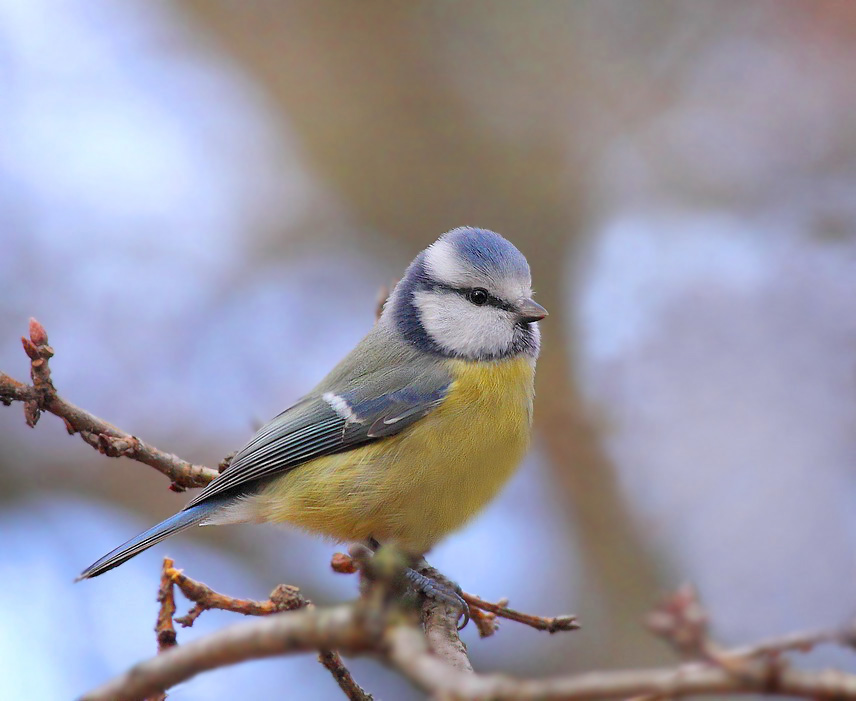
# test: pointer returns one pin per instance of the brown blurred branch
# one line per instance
(409, 654)
(104, 437)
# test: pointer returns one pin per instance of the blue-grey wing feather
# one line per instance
(381, 403)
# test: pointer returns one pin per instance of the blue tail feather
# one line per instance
(179, 522)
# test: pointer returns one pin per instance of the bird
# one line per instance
(412, 433)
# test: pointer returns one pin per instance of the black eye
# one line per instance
(478, 296)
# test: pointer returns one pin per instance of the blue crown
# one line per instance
(487, 251)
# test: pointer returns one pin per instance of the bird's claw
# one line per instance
(439, 590)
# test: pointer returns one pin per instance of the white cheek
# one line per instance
(461, 327)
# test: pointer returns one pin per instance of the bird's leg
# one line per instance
(431, 583)
(428, 581)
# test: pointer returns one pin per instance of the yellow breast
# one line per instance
(415, 487)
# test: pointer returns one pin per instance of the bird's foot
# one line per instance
(432, 584)
(426, 580)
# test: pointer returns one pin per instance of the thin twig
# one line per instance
(683, 622)
(104, 437)
(483, 613)
(552, 624)
(164, 628)
(332, 660)
(798, 642)
(296, 631)
(486, 623)
(283, 598)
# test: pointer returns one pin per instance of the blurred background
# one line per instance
(178, 181)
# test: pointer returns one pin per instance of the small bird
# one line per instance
(413, 432)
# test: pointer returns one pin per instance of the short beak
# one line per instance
(530, 310)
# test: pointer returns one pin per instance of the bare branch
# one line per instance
(408, 652)
(104, 437)
(486, 622)
(550, 624)
(799, 642)
(306, 630)
(164, 629)
(332, 660)
(283, 598)
(435, 659)
(441, 634)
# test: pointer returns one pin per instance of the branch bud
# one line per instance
(31, 413)
(38, 335)
(343, 564)
(30, 348)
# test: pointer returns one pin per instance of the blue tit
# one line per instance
(413, 432)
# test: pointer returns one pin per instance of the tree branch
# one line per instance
(164, 628)
(483, 613)
(440, 623)
(334, 664)
(104, 437)
(359, 628)
(409, 653)
(283, 598)
(550, 624)
(306, 630)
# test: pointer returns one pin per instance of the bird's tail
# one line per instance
(182, 520)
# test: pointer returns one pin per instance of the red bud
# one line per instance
(38, 335)
(343, 564)
(30, 348)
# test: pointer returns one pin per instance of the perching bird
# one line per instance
(413, 432)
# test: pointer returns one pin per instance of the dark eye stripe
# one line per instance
(464, 291)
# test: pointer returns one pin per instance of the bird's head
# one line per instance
(468, 295)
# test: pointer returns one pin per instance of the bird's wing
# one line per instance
(384, 403)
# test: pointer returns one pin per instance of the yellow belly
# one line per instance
(415, 487)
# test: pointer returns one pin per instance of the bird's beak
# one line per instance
(530, 310)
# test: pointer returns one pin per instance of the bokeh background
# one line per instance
(201, 200)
